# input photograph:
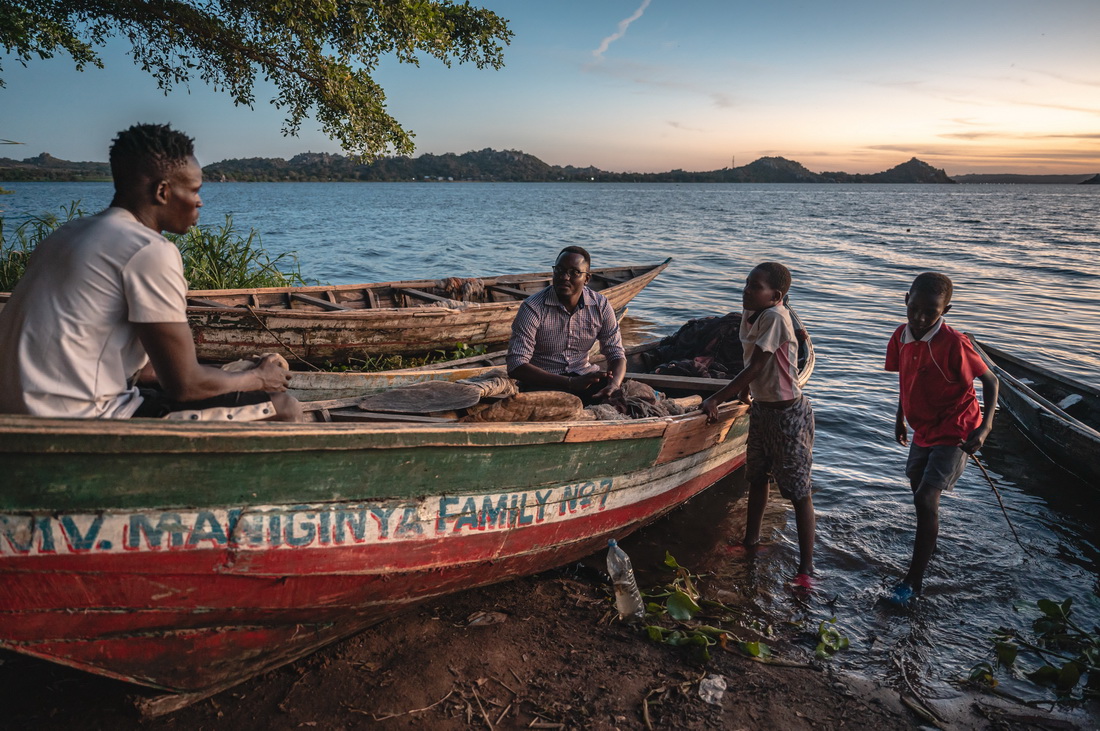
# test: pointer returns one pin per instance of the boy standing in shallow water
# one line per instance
(936, 366)
(781, 423)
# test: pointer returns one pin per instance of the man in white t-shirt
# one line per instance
(102, 307)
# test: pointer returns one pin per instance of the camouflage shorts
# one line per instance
(781, 447)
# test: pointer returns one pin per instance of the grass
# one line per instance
(213, 257)
(16, 247)
(397, 362)
(221, 258)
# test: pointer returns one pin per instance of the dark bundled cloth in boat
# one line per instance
(706, 347)
(636, 400)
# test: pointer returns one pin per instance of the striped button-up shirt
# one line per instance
(547, 336)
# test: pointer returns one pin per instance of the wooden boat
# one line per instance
(188, 557)
(338, 324)
(1058, 414)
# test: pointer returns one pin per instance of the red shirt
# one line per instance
(936, 376)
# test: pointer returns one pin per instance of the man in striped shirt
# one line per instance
(555, 329)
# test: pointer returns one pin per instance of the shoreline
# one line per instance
(548, 656)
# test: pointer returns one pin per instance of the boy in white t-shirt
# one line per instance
(781, 424)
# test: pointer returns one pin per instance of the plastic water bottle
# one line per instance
(628, 600)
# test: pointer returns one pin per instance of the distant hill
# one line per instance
(516, 166)
(481, 165)
(1019, 179)
(914, 171)
(47, 167)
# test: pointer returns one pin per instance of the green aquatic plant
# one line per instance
(213, 257)
(1058, 653)
(680, 604)
(461, 350)
(16, 247)
(221, 258)
(383, 362)
(830, 641)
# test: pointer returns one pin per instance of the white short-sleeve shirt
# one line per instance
(68, 346)
(772, 331)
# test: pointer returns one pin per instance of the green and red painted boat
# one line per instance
(188, 557)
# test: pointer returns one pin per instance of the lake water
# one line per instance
(1026, 267)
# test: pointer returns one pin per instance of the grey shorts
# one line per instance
(781, 447)
(938, 467)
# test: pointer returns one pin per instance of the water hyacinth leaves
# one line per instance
(1006, 653)
(830, 640)
(755, 649)
(1067, 651)
(681, 602)
(682, 607)
(683, 578)
(982, 673)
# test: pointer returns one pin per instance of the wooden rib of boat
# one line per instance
(188, 557)
(338, 324)
(1059, 415)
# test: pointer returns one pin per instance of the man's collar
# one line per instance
(585, 299)
(907, 334)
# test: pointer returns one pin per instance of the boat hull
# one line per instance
(1031, 395)
(189, 559)
(307, 333)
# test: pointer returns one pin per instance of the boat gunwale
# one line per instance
(651, 271)
(205, 432)
(1041, 403)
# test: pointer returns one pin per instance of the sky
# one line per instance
(970, 86)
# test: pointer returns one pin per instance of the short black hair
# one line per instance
(148, 152)
(576, 250)
(933, 283)
(778, 276)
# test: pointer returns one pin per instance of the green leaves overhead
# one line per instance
(320, 54)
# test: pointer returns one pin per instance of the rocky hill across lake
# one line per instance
(515, 166)
(46, 167)
(483, 165)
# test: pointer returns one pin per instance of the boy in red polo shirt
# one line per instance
(936, 366)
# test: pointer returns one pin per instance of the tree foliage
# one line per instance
(320, 54)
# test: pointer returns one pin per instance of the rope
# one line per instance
(999, 500)
(279, 340)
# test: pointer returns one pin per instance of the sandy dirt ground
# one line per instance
(550, 658)
(542, 652)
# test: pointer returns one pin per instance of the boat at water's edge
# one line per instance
(189, 557)
(338, 324)
(1059, 415)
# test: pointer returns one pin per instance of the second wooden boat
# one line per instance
(342, 324)
(1059, 415)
